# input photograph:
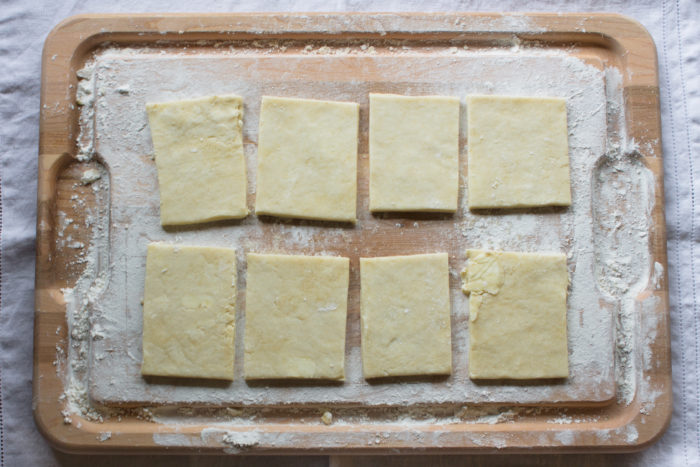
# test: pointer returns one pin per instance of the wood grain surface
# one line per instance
(494, 460)
(613, 40)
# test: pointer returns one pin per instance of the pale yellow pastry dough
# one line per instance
(413, 153)
(518, 152)
(307, 159)
(405, 315)
(198, 147)
(517, 315)
(295, 314)
(188, 311)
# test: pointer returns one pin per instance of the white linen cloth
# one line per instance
(675, 27)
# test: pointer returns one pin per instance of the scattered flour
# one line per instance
(234, 441)
(609, 260)
(89, 176)
(565, 437)
(124, 145)
(490, 415)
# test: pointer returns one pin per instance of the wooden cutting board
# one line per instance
(95, 217)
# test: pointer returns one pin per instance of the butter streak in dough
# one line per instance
(405, 315)
(517, 315)
(198, 147)
(307, 159)
(295, 315)
(189, 311)
(414, 153)
(518, 152)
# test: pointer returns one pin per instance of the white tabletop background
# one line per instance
(24, 24)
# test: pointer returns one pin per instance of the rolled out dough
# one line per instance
(405, 315)
(189, 311)
(518, 152)
(295, 315)
(307, 159)
(517, 315)
(198, 147)
(413, 153)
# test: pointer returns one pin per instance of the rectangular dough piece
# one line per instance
(198, 147)
(307, 159)
(517, 315)
(405, 315)
(413, 153)
(518, 152)
(189, 311)
(295, 317)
